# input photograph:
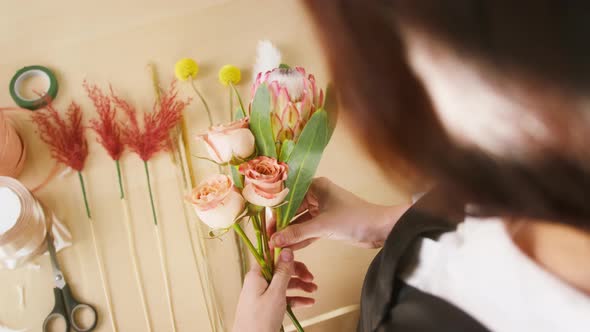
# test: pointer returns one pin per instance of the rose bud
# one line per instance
(264, 179)
(217, 202)
(229, 141)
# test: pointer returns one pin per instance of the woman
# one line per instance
(487, 100)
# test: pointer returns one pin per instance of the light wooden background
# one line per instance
(111, 42)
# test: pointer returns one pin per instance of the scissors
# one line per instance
(66, 305)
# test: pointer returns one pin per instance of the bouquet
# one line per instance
(272, 150)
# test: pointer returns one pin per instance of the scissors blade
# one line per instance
(58, 276)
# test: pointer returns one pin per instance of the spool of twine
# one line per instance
(12, 149)
(23, 224)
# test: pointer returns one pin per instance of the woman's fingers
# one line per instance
(284, 270)
(254, 282)
(296, 233)
(302, 272)
(302, 218)
(298, 284)
(300, 301)
(302, 244)
(322, 188)
(271, 221)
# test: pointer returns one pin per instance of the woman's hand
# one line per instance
(342, 216)
(261, 307)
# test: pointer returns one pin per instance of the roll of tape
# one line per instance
(27, 72)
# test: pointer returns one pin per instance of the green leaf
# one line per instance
(303, 163)
(260, 124)
(237, 177)
(331, 106)
(284, 66)
(286, 150)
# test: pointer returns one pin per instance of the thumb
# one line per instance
(254, 282)
(283, 272)
(296, 233)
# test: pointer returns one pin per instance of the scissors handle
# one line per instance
(73, 306)
(66, 307)
(58, 311)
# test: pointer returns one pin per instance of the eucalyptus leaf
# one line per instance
(303, 163)
(260, 124)
(286, 150)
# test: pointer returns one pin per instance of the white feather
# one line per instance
(293, 80)
(268, 57)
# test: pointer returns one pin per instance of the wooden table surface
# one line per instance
(111, 42)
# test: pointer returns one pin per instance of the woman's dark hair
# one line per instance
(544, 44)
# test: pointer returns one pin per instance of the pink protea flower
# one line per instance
(294, 98)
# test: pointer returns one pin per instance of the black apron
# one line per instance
(388, 304)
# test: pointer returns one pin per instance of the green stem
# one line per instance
(84, 194)
(268, 257)
(279, 227)
(147, 173)
(231, 105)
(203, 101)
(121, 191)
(256, 224)
(265, 270)
(279, 217)
(294, 319)
(241, 257)
(233, 87)
(259, 259)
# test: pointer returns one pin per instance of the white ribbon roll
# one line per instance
(24, 224)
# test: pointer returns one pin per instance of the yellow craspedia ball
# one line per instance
(186, 68)
(229, 74)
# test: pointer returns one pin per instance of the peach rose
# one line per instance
(224, 142)
(217, 202)
(264, 181)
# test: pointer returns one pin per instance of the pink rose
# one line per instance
(217, 202)
(264, 181)
(224, 142)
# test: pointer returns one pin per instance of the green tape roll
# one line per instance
(21, 76)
